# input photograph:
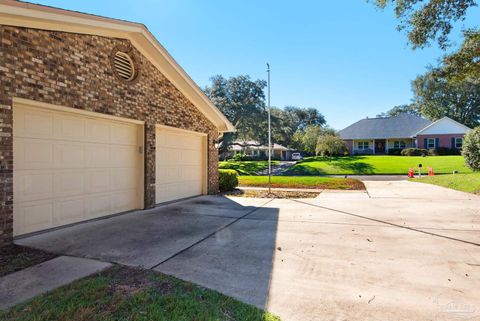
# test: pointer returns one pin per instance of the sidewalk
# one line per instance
(38, 279)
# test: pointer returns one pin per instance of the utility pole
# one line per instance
(269, 135)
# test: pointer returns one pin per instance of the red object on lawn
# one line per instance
(430, 172)
(411, 174)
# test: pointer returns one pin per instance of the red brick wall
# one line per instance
(445, 140)
(75, 70)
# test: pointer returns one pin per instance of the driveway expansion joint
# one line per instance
(212, 234)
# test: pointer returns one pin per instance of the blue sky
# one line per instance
(344, 58)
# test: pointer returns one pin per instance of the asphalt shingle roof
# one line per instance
(400, 126)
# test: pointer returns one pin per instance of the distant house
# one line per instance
(379, 135)
(257, 150)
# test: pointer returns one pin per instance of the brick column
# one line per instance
(6, 171)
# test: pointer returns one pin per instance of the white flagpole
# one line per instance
(269, 135)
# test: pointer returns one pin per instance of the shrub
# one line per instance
(432, 152)
(414, 152)
(241, 157)
(227, 179)
(395, 151)
(471, 149)
(331, 145)
(442, 151)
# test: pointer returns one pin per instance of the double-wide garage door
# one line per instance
(70, 167)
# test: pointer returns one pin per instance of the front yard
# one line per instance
(123, 293)
(302, 182)
(462, 182)
(376, 165)
(245, 167)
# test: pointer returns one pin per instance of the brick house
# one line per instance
(376, 136)
(96, 118)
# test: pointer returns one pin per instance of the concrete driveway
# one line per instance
(402, 251)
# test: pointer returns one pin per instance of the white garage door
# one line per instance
(70, 167)
(180, 164)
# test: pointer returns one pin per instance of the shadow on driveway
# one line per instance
(233, 254)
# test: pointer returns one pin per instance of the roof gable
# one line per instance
(401, 126)
(35, 16)
(444, 125)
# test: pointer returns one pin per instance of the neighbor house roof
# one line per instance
(251, 144)
(22, 14)
(401, 126)
(444, 125)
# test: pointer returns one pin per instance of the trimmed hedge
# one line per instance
(395, 151)
(442, 151)
(414, 152)
(227, 179)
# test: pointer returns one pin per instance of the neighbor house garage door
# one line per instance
(70, 167)
(180, 164)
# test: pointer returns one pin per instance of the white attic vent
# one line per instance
(124, 66)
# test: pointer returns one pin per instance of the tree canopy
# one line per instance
(397, 110)
(242, 101)
(464, 64)
(427, 21)
(437, 96)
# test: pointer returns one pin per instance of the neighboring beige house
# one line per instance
(255, 149)
(97, 118)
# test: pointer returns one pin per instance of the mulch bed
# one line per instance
(15, 257)
(274, 194)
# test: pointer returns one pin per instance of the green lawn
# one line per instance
(245, 167)
(302, 182)
(371, 165)
(123, 293)
(462, 182)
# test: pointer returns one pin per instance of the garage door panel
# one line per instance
(124, 200)
(168, 174)
(123, 156)
(32, 186)
(97, 155)
(32, 154)
(122, 179)
(98, 206)
(69, 183)
(68, 168)
(97, 131)
(67, 211)
(33, 123)
(173, 191)
(190, 173)
(189, 157)
(179, 164)
(123, 134)
(168, 157)
(69, 155)
(32, 216)
(98, 181)
(69, 128)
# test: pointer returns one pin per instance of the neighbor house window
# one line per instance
(362, 145)
(431, 143)
(458, 142)
(400, 144)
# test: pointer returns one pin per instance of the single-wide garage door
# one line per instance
(70, 167)
(180, 164)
